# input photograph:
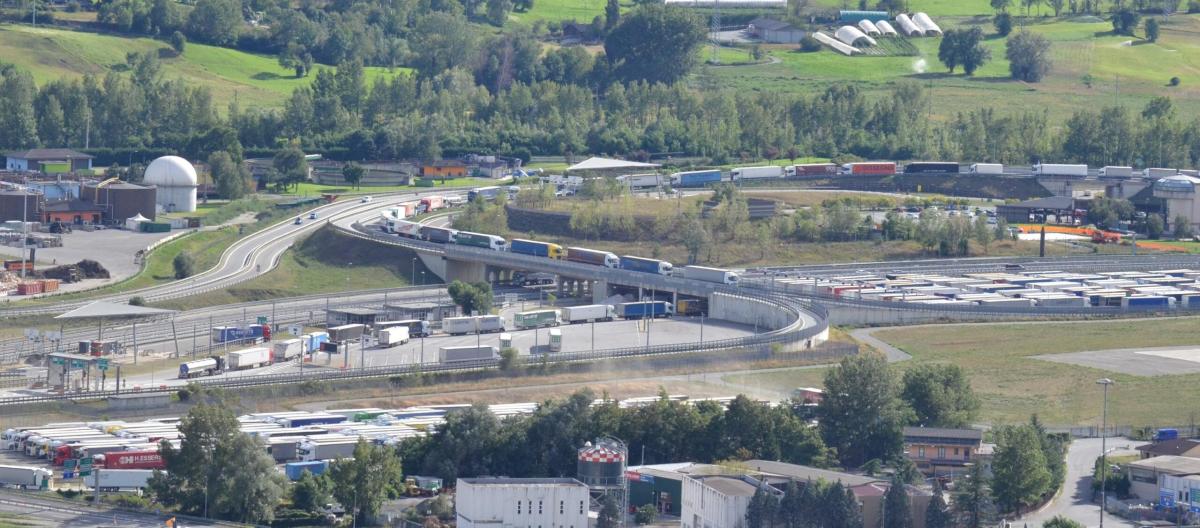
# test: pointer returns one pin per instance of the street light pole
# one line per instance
(1104, 382)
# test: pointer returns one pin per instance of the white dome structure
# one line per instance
(908, 27)
(885, 28)
(176, 181)
(867, 27)
(925, 23)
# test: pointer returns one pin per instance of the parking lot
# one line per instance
(112, 248)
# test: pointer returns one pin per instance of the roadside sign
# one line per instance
(85, 463)
(76, 364)
(85, 472)
(102, 364)
(262, 319)
(69, 463)
(295, 330)
(53, 336)
(58, 360)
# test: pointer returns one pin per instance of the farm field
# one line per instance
(1081, 47)
(255, 80)
(1012, 384)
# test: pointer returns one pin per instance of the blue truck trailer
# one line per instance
(645, 309)
(294, 470)
(645, 265)
(695, 178)
(537, 249)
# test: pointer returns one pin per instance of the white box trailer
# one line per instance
(470, 325)
(986, 168)
(249, 358)
(118, 479)
(24, 477)
(589, 313)
(1116, 171)
(326, 447)
(396, 335)
(754, 173)
(706, 274)
(1060, 169)
(454, 354)
(1156, 173)
(287, 349)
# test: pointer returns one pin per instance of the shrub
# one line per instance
(645, 514)
(808, 44)
(1194, 6)
(185, 266)
(137, 300)
(1004, 24)
(1174, 81)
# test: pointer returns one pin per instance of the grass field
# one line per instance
(1117, 66)
(323, 263)
(255, 80)
(1012, 384)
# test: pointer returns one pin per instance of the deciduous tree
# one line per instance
(1021, 477)
(1028, 56)
(939, 395)
(861, 416)
(655, 43)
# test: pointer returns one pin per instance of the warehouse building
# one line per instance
(20, 206)
(775, 31)
(344, 316)
(716, 500)
(49, 161)
(119, 200)
(548, 502)
(1149, 476)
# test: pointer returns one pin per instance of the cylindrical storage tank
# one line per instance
(867, 27)
(926, 24)
(122, 200)
(20, 205)
(602, 465)
(176, 181)
(908, 27)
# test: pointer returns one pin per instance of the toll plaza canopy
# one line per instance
(101, 310)
(607, 166)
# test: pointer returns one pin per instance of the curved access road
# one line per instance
(245, 259)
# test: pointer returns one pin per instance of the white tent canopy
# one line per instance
(133, 223)
(609, 164)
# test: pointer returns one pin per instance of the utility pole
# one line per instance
(1104, 382)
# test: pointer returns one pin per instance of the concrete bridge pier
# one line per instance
(1057, 186)
(599, 291)
(465, 271)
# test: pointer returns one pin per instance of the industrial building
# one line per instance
(548, 502)
(48, 161)
(424, 310)
(716, 500)
(1179, 196)
(20, 205)
(1160, 477)
(344, 316)
(775, 31)
(120, 200)
(176, 183)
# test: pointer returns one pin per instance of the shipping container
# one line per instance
(249, 358)
(29, 288)
(155, 227)
(695, 178)
(645, 265)
(812, 169)
(480, 240)
(396, 335)
(455, 354)
(1112, 171)
(145, 459)
(347, 332)
(537, 319)
(1060, 169)
(589, 313)
(439, 235)
(869, 168)
(645, 309)
(593, 257)
(470, 325)
(1148, 302)
(311, 419)
(756, 173)
(994, 169)
(287, 349)
(932, 167)
(701, 273)
(537, 249)
(295, 470)
(555, 340)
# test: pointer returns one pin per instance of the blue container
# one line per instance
(301, 421)
(1166, 434)
(530, 247)
(294, 470)
(640, 310)
(853, 17)
(699, 178)
(643, 265)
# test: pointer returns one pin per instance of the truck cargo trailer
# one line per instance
(322, 448)
(24, 477)
(249, 358)
(483, 193)
(1146, 303)
(701, 273)
(593, 257)
(869, 168)
(145, 459)
(589, 313)
(537, 249)
(480, 240)
(396, 335)
(811, 169)
(1060, 169)
(439, 235)
(470, 325)
(295, 470)
(1116, 172)
(119, 479)
(994, 169)
(537, 319)
(756, 173)
(1151, 173)
(645, 309)
(932, 167)
(456, 354)
(347, 332)
(287, 349)
(695, 178)
(416, 327)
(430, 204)
(645, 265)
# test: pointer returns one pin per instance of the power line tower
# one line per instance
(716, 27)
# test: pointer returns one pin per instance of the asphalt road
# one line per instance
(1075, 499)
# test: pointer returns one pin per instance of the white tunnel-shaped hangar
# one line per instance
(908, 27)
(926, 24)
(853, 36)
